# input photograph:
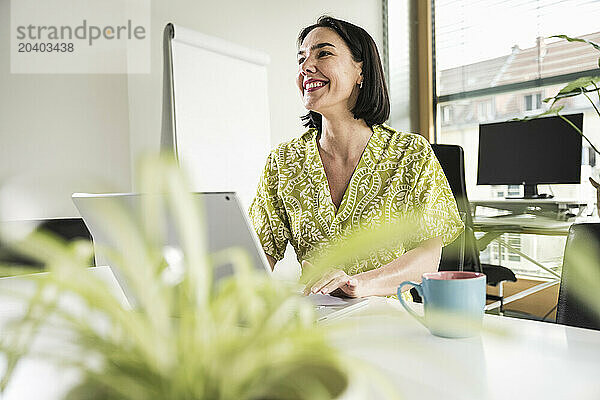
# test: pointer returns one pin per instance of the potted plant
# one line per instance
(248, 337)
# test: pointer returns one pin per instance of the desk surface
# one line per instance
(525, 223)
(511, 359)
(551, 208)
(552, 201)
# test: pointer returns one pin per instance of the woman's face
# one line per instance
(327, 74)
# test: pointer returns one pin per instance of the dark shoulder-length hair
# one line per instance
(373, 102)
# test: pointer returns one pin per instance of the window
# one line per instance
(533, 102)
(471, 55)
(484, 76)
(485, 110)
(447, 114)
(514, 240)
(500, 255)
(502, 191)
(588, 156)
(514, 190)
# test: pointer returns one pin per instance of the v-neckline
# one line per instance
(337, 210)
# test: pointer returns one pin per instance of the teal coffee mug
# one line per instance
(453, 302)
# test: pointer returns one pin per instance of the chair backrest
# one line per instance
(65, 228)
(572, 309)
(451, 158)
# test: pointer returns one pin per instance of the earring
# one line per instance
(360, 85)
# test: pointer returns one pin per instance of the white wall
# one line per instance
(267, 25)
(59, 133)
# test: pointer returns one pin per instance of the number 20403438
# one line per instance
(26, 47)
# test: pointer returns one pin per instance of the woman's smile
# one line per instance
(328, 76)
(310, 85)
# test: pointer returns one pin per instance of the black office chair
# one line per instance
(572, 310)
(451, 158)
(65, 228)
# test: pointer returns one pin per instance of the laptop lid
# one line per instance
(227, 226)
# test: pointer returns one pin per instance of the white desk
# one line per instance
(495, 227)
(525, 224)
(549, 207)
(512, 359)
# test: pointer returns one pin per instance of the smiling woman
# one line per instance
(355, 48)
(350, 171)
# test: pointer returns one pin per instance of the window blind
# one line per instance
(485, 44)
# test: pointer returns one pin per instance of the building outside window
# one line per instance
(515, 241)
(483, 77)
(533, 102)
(514, 191)
(485, 110)
(470, 60)
(447, 114)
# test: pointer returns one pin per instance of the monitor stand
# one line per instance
(531, 192)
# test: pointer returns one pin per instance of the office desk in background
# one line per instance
(533, 217)
(528, 217)
(525, 224)
(542, 207)
(495, 227)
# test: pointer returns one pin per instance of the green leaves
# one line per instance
(581, 86)
(577, 87)
(551, 111)
(571, 39)
(247, 337)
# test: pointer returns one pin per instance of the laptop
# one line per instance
(227, 223)
(225, 220)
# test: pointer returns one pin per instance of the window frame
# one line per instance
(537, 83)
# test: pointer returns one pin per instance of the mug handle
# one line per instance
(419, 289)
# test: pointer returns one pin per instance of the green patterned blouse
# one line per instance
(397, 175)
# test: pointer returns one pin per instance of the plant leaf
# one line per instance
(578, 86)
(572, 39)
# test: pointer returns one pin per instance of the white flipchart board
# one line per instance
(222, 134)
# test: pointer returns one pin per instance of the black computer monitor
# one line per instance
(537, 151)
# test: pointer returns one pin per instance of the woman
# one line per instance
(349, 170)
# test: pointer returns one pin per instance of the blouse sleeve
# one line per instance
(432, 203)
(268, 214)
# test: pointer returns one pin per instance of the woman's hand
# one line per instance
(333, 280)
